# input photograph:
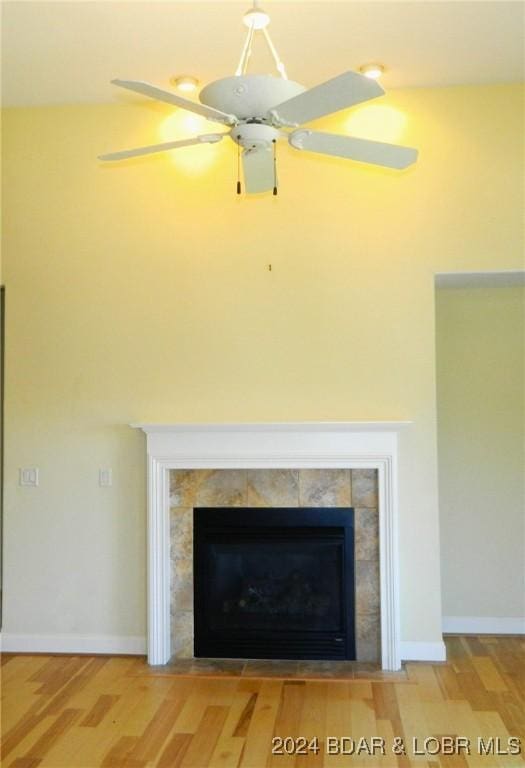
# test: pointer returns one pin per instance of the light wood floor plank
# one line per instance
(489, 675)
(205, 738)
(287, 723)
(313, 722)
(257, 749)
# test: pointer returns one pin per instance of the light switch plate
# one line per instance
(105, 478)
(28, 477)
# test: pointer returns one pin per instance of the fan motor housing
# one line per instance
(254, 135)
(249, 96)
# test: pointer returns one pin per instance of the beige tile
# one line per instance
(181, 585)
(273, 488)
(368, 647)
(218, 667)
(367, 586)
(326, 669)
(214, 667)
(184, 484)
(366, 534)
(222, 488)
(364, 488)
(324, 487)
(271, 668)
(370, 671)
(182, 634)
(181, 532)
(182, 596)
(177, 666)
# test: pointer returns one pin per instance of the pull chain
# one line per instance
(274, 167)
(238, 167)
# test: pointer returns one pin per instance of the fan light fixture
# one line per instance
(186, 83)
(373, 71)
(259, 110)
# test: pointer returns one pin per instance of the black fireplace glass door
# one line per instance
(274, 583)
(259, 584)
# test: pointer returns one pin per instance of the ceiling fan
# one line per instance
(261, 109)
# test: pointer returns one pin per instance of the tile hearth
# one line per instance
(284, 670)
(275, 488)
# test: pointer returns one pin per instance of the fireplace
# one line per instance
(203, 453)
(274, 583)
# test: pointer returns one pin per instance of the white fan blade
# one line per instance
(178, 101)
(258, 170)
(342, 91)
(362, 150)
(209, 138)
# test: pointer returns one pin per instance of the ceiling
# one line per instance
(67, 52)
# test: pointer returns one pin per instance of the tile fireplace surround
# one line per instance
(314, 459)
(267, 488)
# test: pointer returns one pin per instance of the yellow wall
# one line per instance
(480, 386)
(141, 292)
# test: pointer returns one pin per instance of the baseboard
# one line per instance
(114, 644)
(481, 625)
(414, 651)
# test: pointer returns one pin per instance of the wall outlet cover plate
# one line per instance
(28, 477)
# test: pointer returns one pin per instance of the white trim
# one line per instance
(111, 644)
(484, 625)
(281, 426)
(349, 445)
(158, 559)
(415, 651)
(501, 279)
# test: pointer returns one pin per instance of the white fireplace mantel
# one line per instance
(351, 445)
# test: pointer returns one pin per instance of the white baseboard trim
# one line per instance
(113, 644)
(414, 651)
(481, 625)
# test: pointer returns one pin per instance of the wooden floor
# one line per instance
(85, 712)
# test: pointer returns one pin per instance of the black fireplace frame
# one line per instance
(337, 523)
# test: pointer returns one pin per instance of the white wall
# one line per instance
(480, 396)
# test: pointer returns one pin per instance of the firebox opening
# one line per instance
(274, 583)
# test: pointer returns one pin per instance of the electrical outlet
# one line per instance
(28, 477)
(105, 478)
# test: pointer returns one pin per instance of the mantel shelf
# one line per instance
(280, 426)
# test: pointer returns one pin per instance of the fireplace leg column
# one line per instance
(159, 633)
